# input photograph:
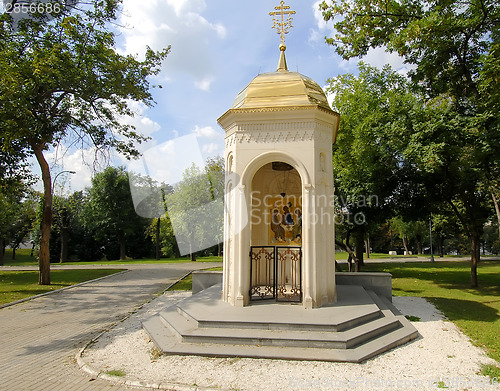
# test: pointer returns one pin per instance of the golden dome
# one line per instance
(281, 89)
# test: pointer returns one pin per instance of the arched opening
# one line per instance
(276, 233)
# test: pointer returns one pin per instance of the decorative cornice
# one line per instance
(279, 133)
(274, 110)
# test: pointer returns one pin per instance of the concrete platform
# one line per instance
(359, 326)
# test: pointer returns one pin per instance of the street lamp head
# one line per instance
(62, 172)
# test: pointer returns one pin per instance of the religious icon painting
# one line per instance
(285, 221)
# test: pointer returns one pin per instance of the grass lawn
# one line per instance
(15, 285)
(447, 285)
(186, 284)
(23, 258)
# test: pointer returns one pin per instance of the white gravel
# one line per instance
(441, 358)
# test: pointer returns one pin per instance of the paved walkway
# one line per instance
(40, 338)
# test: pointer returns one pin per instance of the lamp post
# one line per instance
(430, 235)
(59, 173)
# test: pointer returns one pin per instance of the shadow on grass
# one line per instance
(449, 275)
(457, 309)
(416, 292)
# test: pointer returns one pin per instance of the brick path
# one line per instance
(40, 338)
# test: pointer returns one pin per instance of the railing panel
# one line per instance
(262, 271)
(289, 274)
(276, 273)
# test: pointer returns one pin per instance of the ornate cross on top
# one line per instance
(281, 24)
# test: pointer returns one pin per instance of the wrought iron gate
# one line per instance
(276, 273)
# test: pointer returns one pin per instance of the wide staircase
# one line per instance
(359, 326)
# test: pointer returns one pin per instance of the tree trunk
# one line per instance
(475, 241)
(349, 264)
(192, 255)
(419, 246)
(46, 223)
(352, 256)
(158, 222)
(64, 245)
(1, 250)
(64, 236)
(14, 253)
(497, 209)
(405, 244)
(123, 253)
(440, 245)
(367, 246)
(360, 244)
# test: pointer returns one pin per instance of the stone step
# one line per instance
(334, 325)
(204, 325)
(166, 341)
(187, 330)
(206, 308)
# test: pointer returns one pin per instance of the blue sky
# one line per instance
(218, 47)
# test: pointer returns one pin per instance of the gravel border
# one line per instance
(442, 357)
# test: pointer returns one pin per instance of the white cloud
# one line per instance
(179, 23)
(206, 132)
(167, 161)
(210, 148)
(378, 57)
(216, 143)
(323, 28)
(142, 124)
(205, 83)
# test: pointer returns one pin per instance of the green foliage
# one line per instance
(17, 215)
(446, 40)
(417, 155)
(63, 81)
(63, 78)
(110, 215)
(372, 178)
(195, 207)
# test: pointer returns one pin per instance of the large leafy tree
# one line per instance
(110, 213)
(454, 48)
(63, 81)
(195, 207)
(15, 191)
(17, 215)
(371, 175)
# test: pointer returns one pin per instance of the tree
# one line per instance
(16, 196)
(369, 168)
(109, 212)
(65, 222)
(454, 165)
(62, 80)
(195, 208)
(454, 47)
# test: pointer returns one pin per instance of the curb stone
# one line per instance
(134, 383)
